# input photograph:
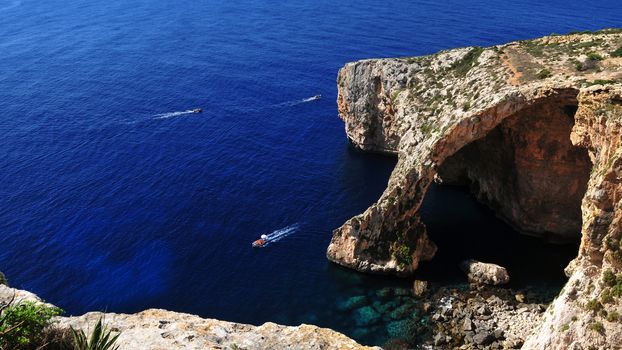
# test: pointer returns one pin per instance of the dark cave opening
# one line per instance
(512, 197)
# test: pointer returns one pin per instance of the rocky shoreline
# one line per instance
(156, 329)
(534, 129)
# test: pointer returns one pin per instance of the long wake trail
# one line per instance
(282, 233)
(173, 114)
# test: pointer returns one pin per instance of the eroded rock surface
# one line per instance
(156, 329)
(485, 273)
(533, 127)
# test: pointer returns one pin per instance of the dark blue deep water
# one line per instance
(108, 201)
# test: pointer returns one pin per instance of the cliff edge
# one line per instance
(533, 128)
(160, 329)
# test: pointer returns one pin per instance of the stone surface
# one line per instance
(156, 329)
(533, 127)
(485, 273)
(420, 288)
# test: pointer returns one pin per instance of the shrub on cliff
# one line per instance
(23, 325)
(617, 52)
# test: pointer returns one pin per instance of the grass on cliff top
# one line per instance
(462, 66)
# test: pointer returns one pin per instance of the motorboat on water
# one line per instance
(316, 97)
(260, 242)
(197, 110)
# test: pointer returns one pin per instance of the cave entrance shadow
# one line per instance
(531, 178)
(464, 229)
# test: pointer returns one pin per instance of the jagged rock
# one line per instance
(160, 329)
(537, 139)
(420, 288)
(483, 338)
(485, 273)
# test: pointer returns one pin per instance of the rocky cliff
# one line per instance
(533, 128)
(156, 329)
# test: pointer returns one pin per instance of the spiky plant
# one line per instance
(101, 338)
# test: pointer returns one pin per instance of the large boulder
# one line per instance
(485, 273)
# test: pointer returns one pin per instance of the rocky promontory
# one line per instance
(533, 129)
(156, 329)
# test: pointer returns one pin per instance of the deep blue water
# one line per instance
(107, 202)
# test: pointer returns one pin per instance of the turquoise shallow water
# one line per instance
(111, 199)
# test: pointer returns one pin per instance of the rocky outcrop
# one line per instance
(533, 127)
(485, 273)
(160, 329)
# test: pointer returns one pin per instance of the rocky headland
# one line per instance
(156, 329)
(533, 128)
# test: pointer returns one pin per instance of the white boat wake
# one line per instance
(297, 102)
(174, 114)
(281, 233)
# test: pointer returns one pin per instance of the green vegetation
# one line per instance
(565, 327)
(594, 306)
(602, 31)
(544, 73)
(23, 325)
(601, 82)
(609, 278)
(597, 327)
(574, 318)
(101, 338)
(593, 56)
(617, 52)
(466, 106)
(606, 297)
(613, 316)
(402, 254)
(462, 66)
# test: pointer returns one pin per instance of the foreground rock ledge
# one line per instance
(534, 128)
(156, 329)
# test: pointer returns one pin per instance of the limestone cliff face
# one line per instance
(532, 127)
(156, 329)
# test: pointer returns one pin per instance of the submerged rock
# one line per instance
(366, 316)
(530, 127)
(160, 329)
(353, 303)
(485, 273)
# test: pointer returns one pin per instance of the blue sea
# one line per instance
(114, 196)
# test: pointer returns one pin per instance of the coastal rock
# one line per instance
(485, 273)
(535, 136)
(420, 288)
(156, 329)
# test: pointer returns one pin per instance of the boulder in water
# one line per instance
(485, 273)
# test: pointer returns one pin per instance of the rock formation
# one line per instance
(485, 273)
(160, 329)
(533, 127)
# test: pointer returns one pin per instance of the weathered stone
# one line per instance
(538, 140)
(485, 273)
(145, 330)
(483, 338)
(420, 287)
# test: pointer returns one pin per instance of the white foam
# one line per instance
(279, 234)
(173, 114)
